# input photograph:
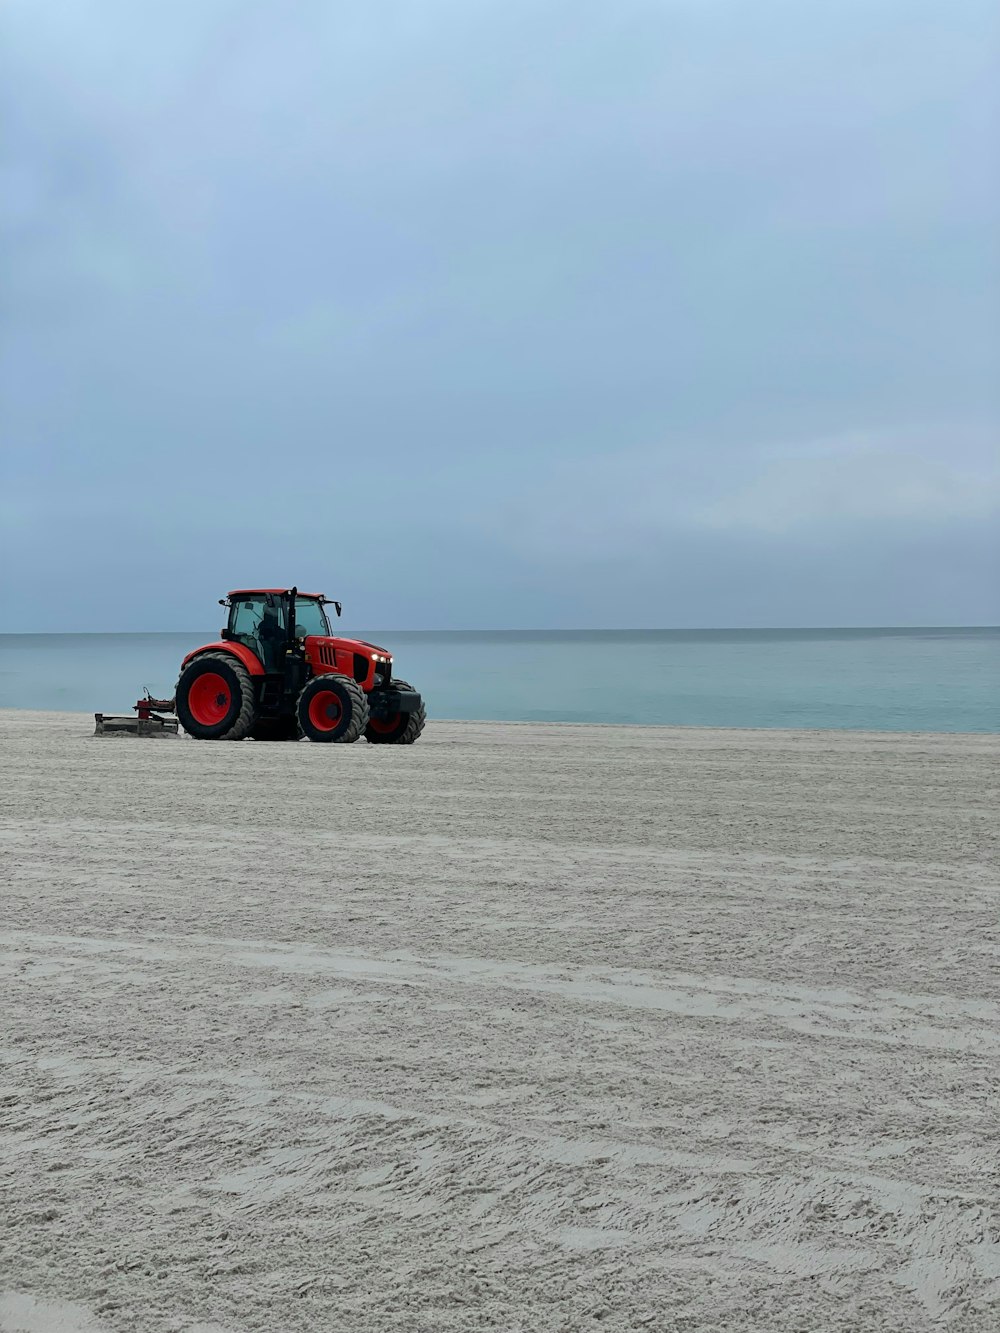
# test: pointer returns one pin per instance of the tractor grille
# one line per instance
(327, 656)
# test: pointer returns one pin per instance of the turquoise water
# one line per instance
(884, 680)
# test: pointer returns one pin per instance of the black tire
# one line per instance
(275, 729)
(230, 713)
(332, 708)
(405, 728)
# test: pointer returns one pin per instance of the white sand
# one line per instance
(523, 1028)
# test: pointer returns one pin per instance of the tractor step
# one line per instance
(107, 725)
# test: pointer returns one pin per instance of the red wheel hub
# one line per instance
(385, 726)
(325, 710)
(209, 698)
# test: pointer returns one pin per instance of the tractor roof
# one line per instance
(256, 592)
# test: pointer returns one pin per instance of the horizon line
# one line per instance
(579, 629)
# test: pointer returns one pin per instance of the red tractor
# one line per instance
(278, 673)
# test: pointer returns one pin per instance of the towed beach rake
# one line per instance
(147, 722)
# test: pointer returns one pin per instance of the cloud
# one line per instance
(652, 297)
(862, 479)
(635, 500)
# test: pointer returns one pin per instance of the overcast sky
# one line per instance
(521, 313)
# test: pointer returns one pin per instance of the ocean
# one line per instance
(871, 679)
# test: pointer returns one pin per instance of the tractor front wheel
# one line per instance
(401, 728)
(215, 698)
(332, 707)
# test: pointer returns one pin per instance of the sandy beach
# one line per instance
(521, 1028)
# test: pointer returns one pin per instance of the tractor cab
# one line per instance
(260, 620)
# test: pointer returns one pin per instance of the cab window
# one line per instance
(310, 618)
(246, 616)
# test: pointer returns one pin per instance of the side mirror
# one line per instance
(338, 606)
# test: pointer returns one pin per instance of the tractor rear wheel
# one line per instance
(275, 729)
(400, 729)
(215, 698)
(332, 707)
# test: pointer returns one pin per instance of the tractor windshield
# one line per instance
(310, 618)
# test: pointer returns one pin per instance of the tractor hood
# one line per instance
(360, 646)
(366, 663)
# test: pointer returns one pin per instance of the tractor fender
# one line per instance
(246, 655)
